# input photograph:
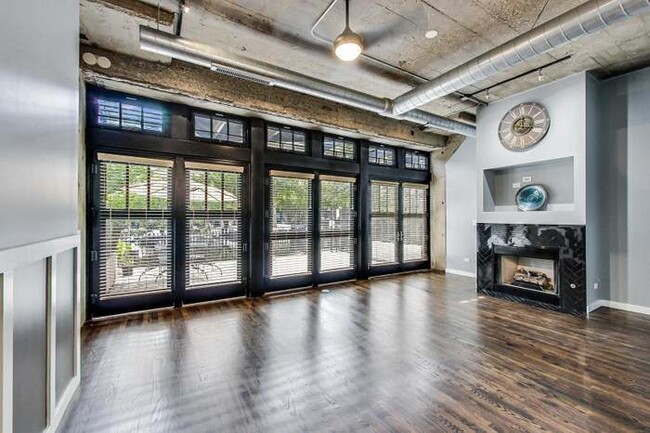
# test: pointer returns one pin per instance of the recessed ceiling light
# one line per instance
(103, 62)
(431, 34)
(89, 58)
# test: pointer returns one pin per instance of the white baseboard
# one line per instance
(618, 306)
(457, 272)
(63, 405)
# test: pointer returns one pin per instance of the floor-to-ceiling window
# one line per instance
(188, 205)
(384, 222)
(337, 223)
(399, 222)
(135, 227)
(290, 216)
(214, 224)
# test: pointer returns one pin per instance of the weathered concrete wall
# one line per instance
(199, 83)
(438, 201)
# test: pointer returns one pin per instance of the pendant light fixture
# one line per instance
(348, 45)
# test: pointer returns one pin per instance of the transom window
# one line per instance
(130, 114)
(286, 139)
(218, 128)
(416, 160)
(381, 155)
(339, 147)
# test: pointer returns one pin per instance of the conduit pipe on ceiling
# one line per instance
(586, 19)
(241, 67)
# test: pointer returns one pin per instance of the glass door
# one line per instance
(415, 222)
(384, 224)
(132, 220)
(214, 232)
(399, 226)
(289, 250)
(337, 238)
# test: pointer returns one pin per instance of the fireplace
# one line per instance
(539, 265)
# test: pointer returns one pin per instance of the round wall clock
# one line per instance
(524, 126)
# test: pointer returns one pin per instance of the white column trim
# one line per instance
(7, 355)
(16, 257)
(50, 279)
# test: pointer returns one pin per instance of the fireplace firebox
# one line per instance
(533, 270)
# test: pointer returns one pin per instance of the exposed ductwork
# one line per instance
(241, 67)
(586, 19)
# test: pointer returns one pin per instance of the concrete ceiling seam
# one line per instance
(223, 62)
(585, 19)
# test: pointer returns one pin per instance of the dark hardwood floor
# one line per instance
(415, 353)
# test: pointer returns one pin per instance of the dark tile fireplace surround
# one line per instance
(546, 261)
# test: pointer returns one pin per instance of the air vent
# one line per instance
(240, 74)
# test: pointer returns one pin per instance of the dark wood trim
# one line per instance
(177, 143)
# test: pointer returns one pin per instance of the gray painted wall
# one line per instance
(39, 84)
(30, 348)
(565, 101)
(625, 131)
(461, 208)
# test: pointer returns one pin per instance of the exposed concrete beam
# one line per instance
(187, 80)
(140, 9)
(438, 187)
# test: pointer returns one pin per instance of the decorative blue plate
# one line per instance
(531, 197)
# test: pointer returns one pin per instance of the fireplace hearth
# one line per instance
(534, 264)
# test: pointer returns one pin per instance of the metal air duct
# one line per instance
(586, 19)
(232, 64)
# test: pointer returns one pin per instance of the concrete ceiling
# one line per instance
(278, 32)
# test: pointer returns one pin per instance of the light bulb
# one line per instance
(185, 6)
(540, 76)
(348, 45)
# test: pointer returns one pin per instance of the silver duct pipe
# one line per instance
(586, 19)
(231, 64)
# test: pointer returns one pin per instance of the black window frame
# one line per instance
(417, 154)
(216, 115)
(293, 130)
(355, 148)
(376, 146)
(122, 98)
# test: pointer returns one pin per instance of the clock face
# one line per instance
(524, 126)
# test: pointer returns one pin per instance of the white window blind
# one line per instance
(415, 222)
(135, 246)
(290, 225)
(337, 223)
(383, 222)
(214, 225)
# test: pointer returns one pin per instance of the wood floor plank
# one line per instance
(411, 353)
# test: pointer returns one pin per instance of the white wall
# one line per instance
(39, 241)
(625, 133)
(39, 72)
(461, 209)
(565, 102)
